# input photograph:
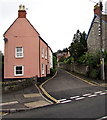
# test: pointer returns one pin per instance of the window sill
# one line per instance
(19, 57)
(18, 75)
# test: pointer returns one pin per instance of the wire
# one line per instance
(92, 1)
(96, 2)
(104, 11)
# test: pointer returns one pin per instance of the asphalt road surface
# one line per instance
(78, 99)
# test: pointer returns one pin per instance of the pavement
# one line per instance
(22, 100)
(34, 97)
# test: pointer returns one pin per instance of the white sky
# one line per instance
(56, 20)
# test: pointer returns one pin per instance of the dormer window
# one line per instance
(19, 52)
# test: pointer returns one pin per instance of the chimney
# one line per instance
(21, 12)
(97, 9)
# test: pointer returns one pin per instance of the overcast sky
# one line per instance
(56, 20)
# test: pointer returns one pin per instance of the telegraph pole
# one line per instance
(101, 45)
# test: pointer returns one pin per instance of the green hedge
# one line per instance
(52, 72)
(94, 73)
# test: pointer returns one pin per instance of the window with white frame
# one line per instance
(46, 54)
(19, 52)
(43, 68)
(19, 70)
(42, 52)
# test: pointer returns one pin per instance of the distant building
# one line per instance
(93, 38)
(62, 54)
(26, 54)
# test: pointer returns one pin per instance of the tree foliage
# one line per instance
(79, 45)
(90, 59)
(54, 62)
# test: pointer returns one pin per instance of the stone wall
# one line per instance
(17, 85)
(93, 41)
(82, 69)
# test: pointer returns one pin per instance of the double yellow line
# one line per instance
(46, 93)
(91, 83)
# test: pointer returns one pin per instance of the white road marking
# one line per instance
(3, 114)
(9, 103)
(80, 98)
(102, 118)
(98, 92)
(74, 97)
(62, 100)
(66, 101)
(92, 95)
(87, 94)
(102, 93)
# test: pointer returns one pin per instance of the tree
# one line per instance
(65, 50)
(59, 51)
(79, 45)
(54, 62)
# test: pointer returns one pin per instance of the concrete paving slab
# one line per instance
(37, 104)
(8, 103)
(31, 95)
(27, 98)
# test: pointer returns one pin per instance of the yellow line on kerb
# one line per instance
(44, 91)
(81, 79)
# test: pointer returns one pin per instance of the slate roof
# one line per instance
(104, 19)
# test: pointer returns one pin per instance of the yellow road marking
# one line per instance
(49, 79)
(81, 79)
(103, 85)
(44, 91)
(52, 98)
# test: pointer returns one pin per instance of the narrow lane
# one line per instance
(64, 86)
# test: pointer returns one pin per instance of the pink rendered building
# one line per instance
(26, 54)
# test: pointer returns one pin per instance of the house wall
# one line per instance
(93, 41)
(43, 60)
(105, 37)
(48, 61)
(21, 34)
(50, 58)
